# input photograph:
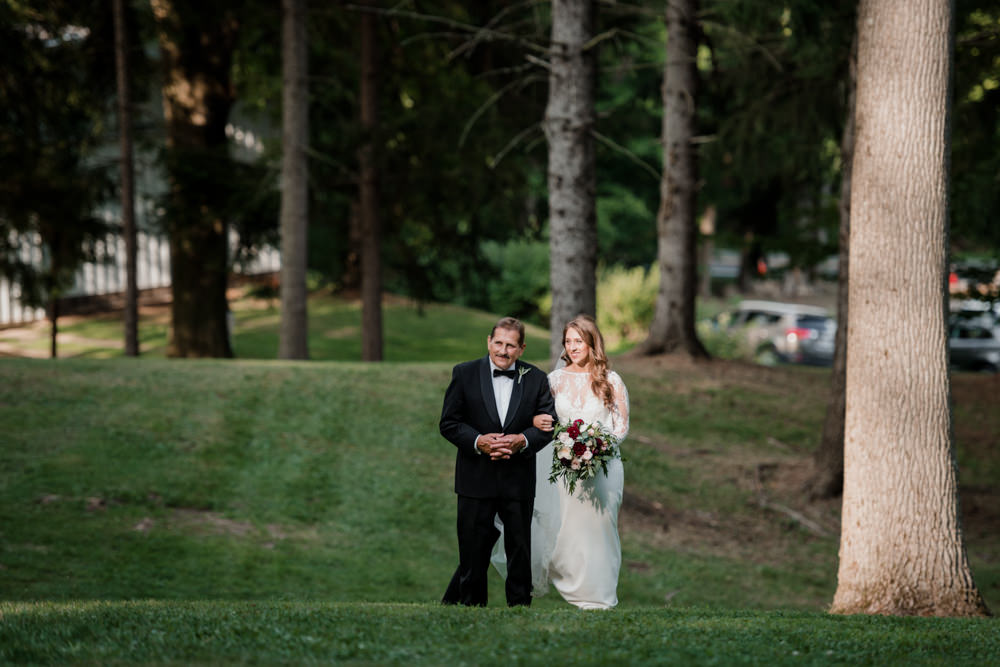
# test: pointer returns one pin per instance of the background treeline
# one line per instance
(460, 149)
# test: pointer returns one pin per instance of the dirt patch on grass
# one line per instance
(777, 518)
(769, 517)
(772, 518)
(977, 415)
(191, 521)
(206, 522)
(757, 539)
(341, 333)
(981, 513)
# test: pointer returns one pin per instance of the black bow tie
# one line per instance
(507, 374)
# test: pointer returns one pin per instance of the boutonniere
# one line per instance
(521, 372)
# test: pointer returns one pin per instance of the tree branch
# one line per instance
(607, 141)
(491, 101)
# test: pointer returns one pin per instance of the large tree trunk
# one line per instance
(131, 315)
(371, 239)
(196, 44)
(569, 119)
(827, 479)
(901, 547)
(294, 335)
(672, 329)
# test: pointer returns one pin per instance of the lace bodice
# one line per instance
(576, 400)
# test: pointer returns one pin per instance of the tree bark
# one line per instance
(827, 479)
(901, 550)
(294, 335)
(672, 328)
(371, 235)
(569, 119)
(196, 44)
(131, 315)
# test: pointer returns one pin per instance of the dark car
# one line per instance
(974, 342)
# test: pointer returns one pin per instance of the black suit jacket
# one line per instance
(470, 410)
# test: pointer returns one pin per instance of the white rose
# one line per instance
(565, 439)
(590, 431)
(565, 453)
(587, 455)
(575, 465)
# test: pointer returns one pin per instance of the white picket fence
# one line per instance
(108, 277)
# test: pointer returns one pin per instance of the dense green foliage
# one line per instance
(58, 78)
(976, 129)
(775, 80)
(461, 153)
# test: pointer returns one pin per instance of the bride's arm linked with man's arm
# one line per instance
(619, 413)
(455, 423)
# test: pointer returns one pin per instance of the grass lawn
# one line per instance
(373, 633)
(157, 510)
(412, 332)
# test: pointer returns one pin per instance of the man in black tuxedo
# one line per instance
(487, 413)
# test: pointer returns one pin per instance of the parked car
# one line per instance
(974, 341)
(776, 332)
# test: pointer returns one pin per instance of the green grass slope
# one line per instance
(126, 479)
(412, 332)
(230, 506)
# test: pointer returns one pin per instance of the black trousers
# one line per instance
(476, 536)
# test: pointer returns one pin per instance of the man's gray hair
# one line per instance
(513, 324)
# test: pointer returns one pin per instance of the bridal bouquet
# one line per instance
(579, 450)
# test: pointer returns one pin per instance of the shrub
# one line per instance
(521, 278)
(625, 299)
(722, 343)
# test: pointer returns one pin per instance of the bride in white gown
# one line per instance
(574, 536)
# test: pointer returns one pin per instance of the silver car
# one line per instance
(782, 332)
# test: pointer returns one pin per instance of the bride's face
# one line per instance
(576, 349)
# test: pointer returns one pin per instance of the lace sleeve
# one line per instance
(620, 411)
(554, 385)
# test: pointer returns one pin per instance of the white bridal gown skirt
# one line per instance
(574, 538)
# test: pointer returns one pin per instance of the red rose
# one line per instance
(579, 448)
(573, 431)
(600, 444)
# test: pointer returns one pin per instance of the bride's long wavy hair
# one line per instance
(591, 335)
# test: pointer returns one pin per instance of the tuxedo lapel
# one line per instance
(515, 397)
(486, 386)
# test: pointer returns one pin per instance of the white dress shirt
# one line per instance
(503, 387)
